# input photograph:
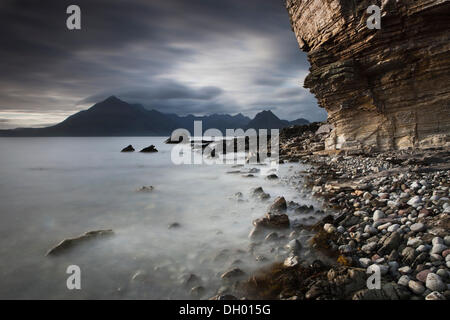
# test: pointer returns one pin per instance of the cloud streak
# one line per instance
(182, 56)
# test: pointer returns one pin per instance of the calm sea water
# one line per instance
(55, 188)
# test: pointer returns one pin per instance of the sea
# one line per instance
(184, 233)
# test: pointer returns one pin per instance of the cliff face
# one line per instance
(383, 89)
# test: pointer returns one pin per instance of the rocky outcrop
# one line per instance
(383, 89)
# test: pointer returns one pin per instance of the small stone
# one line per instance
(435, 296)
(294, 246)
(404, 270)
(393, 228)
(422, 275)
(403, 281)
(377, 215)
(291, 261)
(329, 228)
(435, 283)
(437, 240)
(416, 287)
(414, 201)
(233, 273)
(447, 240)
(414, 242)
(438, 248)
(417, 227)
(365, 262)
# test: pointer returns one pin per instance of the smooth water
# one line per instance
(56, 188)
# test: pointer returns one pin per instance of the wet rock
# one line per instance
(416, 287)
(173, 225)
(149, 149)
(438, 248)
(272, 236)
(71, 242)
(417, 227)
(233, 273)
(392, 242)
(198, 291)
(291, 261)
(279, 205)
(259, 193)
(435, 296)
(146, 189)
(272, 176)
(129, 148)
(273, 221)
(435, 283)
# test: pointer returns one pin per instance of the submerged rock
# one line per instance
(128, 149)
(149, 149)
(70, 242)
(146, 189)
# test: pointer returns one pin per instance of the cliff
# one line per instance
(383, 89)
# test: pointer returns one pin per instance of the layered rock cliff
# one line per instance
(383, 89)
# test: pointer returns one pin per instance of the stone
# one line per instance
(294, 246)
(291, 261)
(416, 287)
(403, 281)
(377, 215)
(391, 242)
(129, 148)
(329, 228)
(422, 275)
(435, 296)
(233, 273)
(273, 221)
(438, 248)
(435, 283)
(279, 205)
(414, 201)
(417, 227)
(405, 270)
(149, 149)
(365, 262)
(68, 243)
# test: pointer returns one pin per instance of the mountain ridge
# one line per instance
(114, 117)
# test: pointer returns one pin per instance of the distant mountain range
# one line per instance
(114, 117)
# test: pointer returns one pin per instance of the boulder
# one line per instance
(129, 148)
(149, 149)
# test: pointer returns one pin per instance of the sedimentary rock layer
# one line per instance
(383, 89)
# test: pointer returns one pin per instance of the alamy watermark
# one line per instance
(236, 147)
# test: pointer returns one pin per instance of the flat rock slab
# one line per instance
(71, 242)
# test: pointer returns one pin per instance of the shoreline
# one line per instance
(391, 215)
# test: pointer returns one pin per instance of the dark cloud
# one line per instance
(184, 56)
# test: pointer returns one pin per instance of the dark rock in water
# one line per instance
(272, 221)
(259, 193)
(174, 225)
(248, 175)
(279, 205)
(233, 273)
(272, 176)
(70, 242)
(149, 149)
(128, 149)
(198, 291)
(146, 189)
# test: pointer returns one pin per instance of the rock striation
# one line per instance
(384, 88)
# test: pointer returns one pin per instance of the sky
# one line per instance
(176, 56)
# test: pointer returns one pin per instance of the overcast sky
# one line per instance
(175, 56)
